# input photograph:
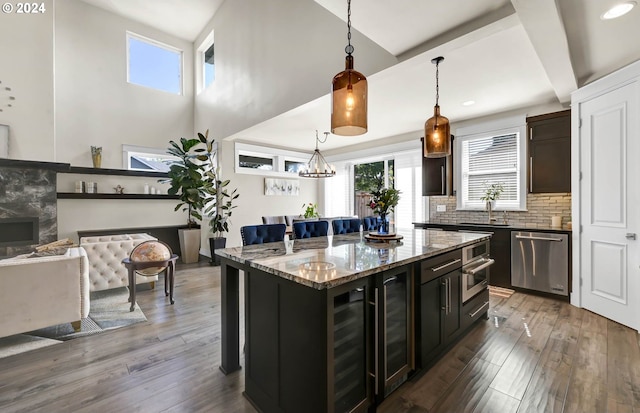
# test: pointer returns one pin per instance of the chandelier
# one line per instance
(318, 167)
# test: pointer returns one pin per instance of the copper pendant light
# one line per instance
(349, 95)
(437, 136)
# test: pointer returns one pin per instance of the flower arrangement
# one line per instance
(384, 200)
(311, 210)
(492, 192)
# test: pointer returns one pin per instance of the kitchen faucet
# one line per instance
(505, 217)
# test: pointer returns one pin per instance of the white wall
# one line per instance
(271, 57)
(26, 66)
(96, 106)
(94, 103)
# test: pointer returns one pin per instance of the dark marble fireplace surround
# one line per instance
(27, 191)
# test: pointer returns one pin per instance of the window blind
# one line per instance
(408, 180)
(487, 160)
(337, 191)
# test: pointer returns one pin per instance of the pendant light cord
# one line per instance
(437, 82)
(349, 49)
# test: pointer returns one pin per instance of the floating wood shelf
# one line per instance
(76, 195)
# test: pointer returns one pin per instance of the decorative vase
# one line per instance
(216, 243)
(97, 160)
(383, 224)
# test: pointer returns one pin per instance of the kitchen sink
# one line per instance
(484, 224)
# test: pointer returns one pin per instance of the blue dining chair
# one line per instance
(308, 229)
(259, 234)
(370, 223)
(345, 226)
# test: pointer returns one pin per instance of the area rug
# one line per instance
(500, 292)
(109, 310)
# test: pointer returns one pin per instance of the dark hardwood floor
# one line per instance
(534, 354)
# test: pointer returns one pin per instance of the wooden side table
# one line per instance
(132, 266)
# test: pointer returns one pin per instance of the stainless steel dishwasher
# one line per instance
(540, 261)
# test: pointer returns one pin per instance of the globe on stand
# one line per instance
(150, 251)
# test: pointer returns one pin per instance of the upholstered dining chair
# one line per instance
(370, 223)
(259, 234)
(308, 229)
(276, 219)
(345, 226)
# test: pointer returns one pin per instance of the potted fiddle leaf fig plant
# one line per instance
(219, 210)
(188, 182)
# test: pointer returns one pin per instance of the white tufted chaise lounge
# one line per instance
(105, 255)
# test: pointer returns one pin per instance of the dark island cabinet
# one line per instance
(393, 316)
(500, 249)
(550, 152)
(349, 349)
(437, 175)
(440, 305)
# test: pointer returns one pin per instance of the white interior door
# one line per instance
(609, 158)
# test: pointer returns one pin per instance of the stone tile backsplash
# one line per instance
(540, 209)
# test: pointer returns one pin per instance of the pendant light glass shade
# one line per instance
(349, 94)
(349, 102)
(437, 132)
(437, 135)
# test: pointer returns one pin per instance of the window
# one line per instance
(206, 74)
(154, 65)
(262, 160)
(208, 67)
(368, 177)
(256, 162)
(139, 158)
(493, 157)
(402, 168)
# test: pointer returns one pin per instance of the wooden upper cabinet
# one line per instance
(549, 146)
(437, 174)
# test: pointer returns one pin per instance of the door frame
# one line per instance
(620, 78)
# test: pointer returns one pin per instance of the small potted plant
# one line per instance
(492, 194)
(221, 205)
(383, 202)
(310, 210)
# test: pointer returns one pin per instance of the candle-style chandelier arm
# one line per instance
(318, 167)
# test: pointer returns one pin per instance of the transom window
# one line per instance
(153, 64)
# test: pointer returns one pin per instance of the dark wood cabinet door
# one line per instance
(452, 300)
(430, 320)
(550, 152)
(437, 175)
(500, 251)
(550, 163)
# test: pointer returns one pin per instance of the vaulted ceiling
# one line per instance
(502, 54)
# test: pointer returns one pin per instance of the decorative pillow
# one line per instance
(49, 252)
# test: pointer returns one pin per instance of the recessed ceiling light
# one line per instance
(618, 10)
(468, 103)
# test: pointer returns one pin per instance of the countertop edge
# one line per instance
(343, 280)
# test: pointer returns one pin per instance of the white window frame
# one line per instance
(200, 72)
(131, 35)
(278, 156)
(506, 126)
(132, 150)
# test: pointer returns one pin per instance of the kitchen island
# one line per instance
(330, 326)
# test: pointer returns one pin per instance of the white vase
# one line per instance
(189, 245)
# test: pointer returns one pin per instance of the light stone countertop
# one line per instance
(326, 262)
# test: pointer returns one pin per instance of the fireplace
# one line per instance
(19, 231)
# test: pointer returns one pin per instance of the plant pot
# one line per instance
(216, 243)
(189, 245)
